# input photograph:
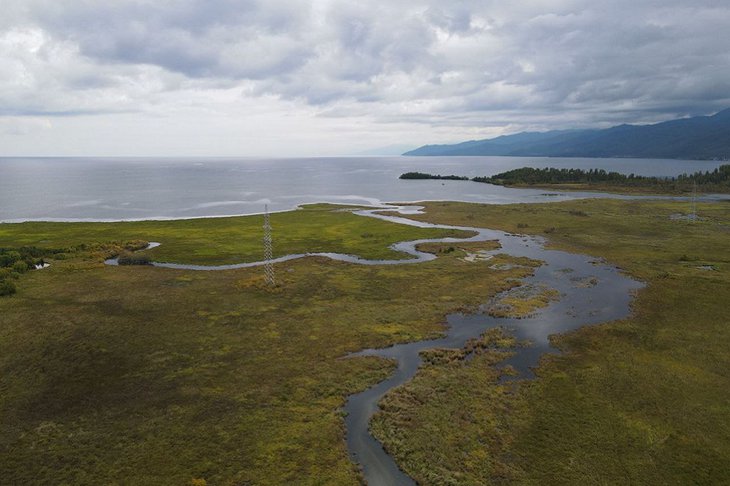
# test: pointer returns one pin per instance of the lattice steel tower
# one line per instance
(268, 249)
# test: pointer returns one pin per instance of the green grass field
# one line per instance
(639, 401)
(211, 241)
(150, 376)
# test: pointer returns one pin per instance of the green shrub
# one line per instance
(20, 267)
(8, 258)
(6, 288)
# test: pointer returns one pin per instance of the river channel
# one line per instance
(591, 292)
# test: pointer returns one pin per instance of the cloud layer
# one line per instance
(327, 76)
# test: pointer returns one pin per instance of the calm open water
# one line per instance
(148, 188)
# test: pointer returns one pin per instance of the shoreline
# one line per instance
(567, 193)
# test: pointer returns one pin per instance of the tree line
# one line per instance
(422, 175)
(714, 180)
(550, 175)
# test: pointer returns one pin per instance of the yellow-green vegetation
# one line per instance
(490, 340)
(642, 400)
(208, 241)
(149, 376)
(450, 421)
(522, 301)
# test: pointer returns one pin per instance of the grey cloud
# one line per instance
(194, 37)
(537, 63)
(25, 112)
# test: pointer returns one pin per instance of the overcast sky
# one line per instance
(328, 77)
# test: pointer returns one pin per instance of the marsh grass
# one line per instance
(642, 400)
(152, 376)
(448, 424)
(140, 375)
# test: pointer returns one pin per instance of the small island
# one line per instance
(717, 180)
(422, 175)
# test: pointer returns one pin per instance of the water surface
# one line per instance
(148, 188)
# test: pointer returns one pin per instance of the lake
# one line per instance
(96, 188)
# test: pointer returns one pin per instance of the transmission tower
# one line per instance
(268, 250)
(693, 216)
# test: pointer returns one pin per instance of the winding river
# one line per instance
(591, 292)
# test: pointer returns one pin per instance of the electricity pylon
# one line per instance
(268, 250)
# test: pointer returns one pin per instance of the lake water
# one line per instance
(148, 188)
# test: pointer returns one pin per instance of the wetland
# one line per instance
(158, 375)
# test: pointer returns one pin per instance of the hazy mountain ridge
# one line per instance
(702, 137)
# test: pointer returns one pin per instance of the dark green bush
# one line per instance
(8, 258)
(7, 288)
(20, 267)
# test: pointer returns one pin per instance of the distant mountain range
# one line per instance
(701, 137)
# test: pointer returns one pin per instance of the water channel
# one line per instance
(591, 292)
